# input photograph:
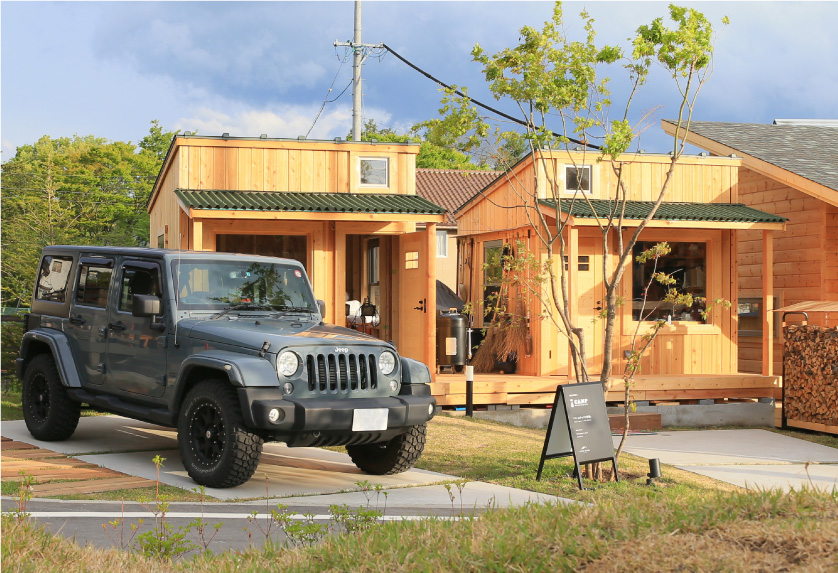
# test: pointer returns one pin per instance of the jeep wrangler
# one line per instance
(229, 349)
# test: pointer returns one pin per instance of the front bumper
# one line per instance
(307, 415)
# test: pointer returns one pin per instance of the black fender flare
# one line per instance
(59, 346)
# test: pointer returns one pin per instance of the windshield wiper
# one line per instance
(281, 309)
(247, 306)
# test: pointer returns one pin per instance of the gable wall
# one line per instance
(802, 254)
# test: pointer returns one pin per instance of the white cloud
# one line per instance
(283, 121)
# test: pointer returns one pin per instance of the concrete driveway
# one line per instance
(323, 477)
(753, 459)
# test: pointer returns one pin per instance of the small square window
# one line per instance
(374, 172)
(577, 179)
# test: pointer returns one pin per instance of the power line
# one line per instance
(480, 104)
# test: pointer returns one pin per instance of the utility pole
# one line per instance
(359, 55)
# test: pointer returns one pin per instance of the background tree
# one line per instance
(80, 189)
(431, 154)
(564, 99)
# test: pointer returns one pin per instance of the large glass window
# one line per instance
(284, 246)
(687, 264)
(492, 276)
(53, 279)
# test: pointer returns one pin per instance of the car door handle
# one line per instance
(116, 326)
(78, 319)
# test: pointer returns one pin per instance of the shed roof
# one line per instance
(451, 188)
(709, 212)
(807, 150)
(307, 202)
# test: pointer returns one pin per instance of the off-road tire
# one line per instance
(48, 411)
(393, 457)
(216, 448)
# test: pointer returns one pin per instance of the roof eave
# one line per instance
(758, 165)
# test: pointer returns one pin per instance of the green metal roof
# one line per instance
(309, 202)
(717, 212)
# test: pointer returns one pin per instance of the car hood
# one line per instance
(253, 332)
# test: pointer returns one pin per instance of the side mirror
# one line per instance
(145, 305)
(321, 304)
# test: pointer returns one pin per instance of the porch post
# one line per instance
(768, 303)
(197, 235)
(573, 289)
(430, 315)
(338, 311)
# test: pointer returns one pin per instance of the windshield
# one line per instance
(241, 285)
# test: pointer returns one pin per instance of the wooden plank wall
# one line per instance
(321, 167)
(805, 254)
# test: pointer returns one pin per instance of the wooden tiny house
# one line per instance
(348, 211)
(701, 220)
(787, 169)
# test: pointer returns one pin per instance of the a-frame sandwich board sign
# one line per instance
(579, 427)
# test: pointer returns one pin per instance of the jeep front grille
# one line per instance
(341, 372)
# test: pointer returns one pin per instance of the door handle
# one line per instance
(116, 326)
(422, 305)
(598, 305)
(78, 319)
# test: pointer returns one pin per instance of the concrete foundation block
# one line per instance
(706, 402)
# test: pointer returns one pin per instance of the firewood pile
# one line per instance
(811, 374)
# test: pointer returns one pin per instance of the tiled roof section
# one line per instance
(451, 188)
(310, 202)
(810, 151)
(719, 212)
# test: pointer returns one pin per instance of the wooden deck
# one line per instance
(57, 474)
(514, 389)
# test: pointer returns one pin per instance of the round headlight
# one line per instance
(287, 363)
(387, 362)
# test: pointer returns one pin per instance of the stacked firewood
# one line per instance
(811, 374)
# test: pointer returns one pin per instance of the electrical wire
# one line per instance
(480, 104)
(326, 98)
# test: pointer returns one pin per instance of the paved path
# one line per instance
(747, 458)
(128, 446)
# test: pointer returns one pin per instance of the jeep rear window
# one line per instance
(217, 285)
(53, 279)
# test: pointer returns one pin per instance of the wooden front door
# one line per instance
(591, 300)
(417, 306)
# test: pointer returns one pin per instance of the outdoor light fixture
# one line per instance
(225, 134)
(654, 471)
(263, 136)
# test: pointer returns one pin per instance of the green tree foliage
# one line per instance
(74, 190)
(431, 155)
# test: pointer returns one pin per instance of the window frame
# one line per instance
(87, 262)
(386, 183)
(582, 166)
(443, 235)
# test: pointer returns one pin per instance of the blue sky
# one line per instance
(109, 68)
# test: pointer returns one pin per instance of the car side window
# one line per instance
(138, 280)
(94, 282)
(53, 278)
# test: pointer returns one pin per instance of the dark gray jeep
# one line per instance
(229, 349)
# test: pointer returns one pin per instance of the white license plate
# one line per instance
(370, 420)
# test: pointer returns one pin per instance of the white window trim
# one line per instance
(386, 161)
(591, 172)
(444, 244)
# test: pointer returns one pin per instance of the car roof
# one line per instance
(169, 254)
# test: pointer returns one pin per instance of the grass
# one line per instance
(720, 531)
(10, 405)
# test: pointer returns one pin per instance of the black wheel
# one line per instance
(216, 447)
(48, 411)
(393, 457)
